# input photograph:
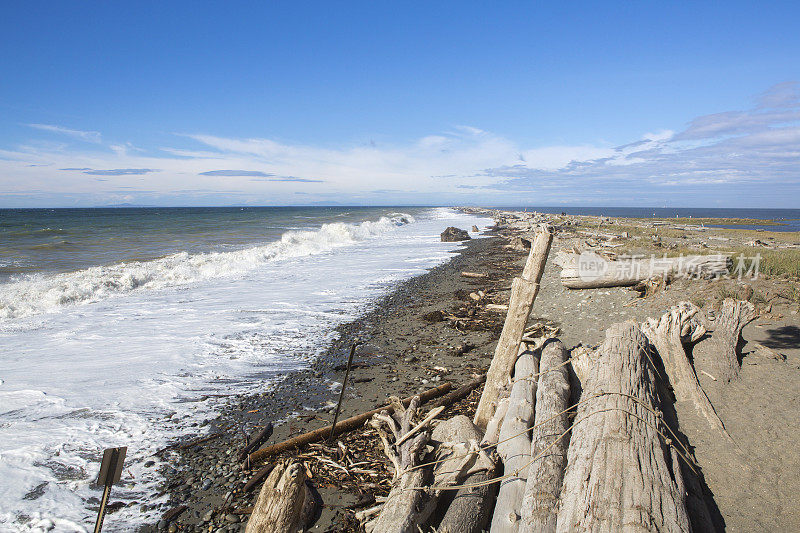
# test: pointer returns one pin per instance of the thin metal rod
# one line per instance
(99, 524)
(344, 384)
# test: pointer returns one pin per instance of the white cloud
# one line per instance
(760, 145)
(88, 136)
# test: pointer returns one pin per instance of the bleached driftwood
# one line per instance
(589, 270)
(285, 503)
(467, 509)
(617, 476)
(548, 445)
(408, 505)
(523, 294)
(492, 434)
(667, 334)
(719, 352)
(514, 446)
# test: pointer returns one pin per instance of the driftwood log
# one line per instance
(523, 294)
(285, 503)
(667, 334)
(719, 352)
(348, 424)
(548, 446)
(466, 510)
(589, 270)
(408, 505)
(514, 446)
(618, 477)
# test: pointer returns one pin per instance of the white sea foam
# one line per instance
(42, 293)
(143, 367)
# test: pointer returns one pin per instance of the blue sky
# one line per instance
(200, 103)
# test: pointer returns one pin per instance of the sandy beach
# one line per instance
(430, 330)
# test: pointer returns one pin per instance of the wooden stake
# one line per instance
(344, 384)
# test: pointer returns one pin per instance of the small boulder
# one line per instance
(452, 234)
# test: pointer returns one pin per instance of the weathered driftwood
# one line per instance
(348, 424)
(548, 447)
(514, 446)
(258, 477)
(589, 270)
(285, 503)
(617, 476)
(461, 392)
(583, 359)
(474, 274)
(468, 509)
(408, 506)
(523, 294)
(667, 335)
(720, 351)
(256, 440)
(492, 434)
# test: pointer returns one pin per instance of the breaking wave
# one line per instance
(42, 293)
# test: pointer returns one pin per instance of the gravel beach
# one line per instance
(436, 328)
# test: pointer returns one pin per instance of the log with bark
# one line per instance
(548, 448)
(514, 446)
(589, 270)
(285, 503)
(409, 504)
(523, 294)
(466, 510)
(719, 353)
(620, 476)
(668, 334)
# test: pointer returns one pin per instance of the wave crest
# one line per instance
(38, 294)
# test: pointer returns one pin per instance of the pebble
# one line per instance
(208, 516)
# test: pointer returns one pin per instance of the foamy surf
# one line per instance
(145, 367)
(43, 293)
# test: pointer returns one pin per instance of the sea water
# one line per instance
(122, 327)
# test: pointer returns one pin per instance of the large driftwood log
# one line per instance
(667, 335)
(468, 509)
(523, 294)
(285, 503)
(409, 505)
(548, 445)
(589, 270)
(719, 353)
(617, 476)
(514, 446)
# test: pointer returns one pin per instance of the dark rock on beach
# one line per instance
(452, 234)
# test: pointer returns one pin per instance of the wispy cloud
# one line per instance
(236, 173)
(88, 136)
(114, 171)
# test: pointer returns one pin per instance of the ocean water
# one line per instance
(119, 326)
(789, 219)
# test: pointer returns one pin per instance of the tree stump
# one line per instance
(548, 443)
(618, 477)
(720, 351)
(408, 505)
(667, 334)
(285, 503)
